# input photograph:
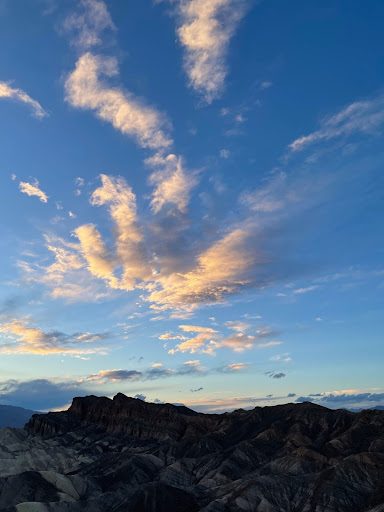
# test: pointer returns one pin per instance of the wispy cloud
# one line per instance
(222, 269)
(347, 398)
(173, 184)
(205, 30)
(67, 277)
(33, 189)
(130, 248)
(306, 289)
(360, 117)
(206, 340)
(86, 89)
(87, 25)
(13, 93)
(23, 338)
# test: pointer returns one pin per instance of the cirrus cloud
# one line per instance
(15, 94)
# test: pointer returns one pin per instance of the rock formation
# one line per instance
(128, 455)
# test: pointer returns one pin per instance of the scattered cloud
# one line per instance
(350, 398)
(360, 117)
(224, 153)
(85, 89)
(12, 93)
(282, 358)
(224, 268)
(276, 375)
(205, 29)
(266, 84)
(40, 394)
(22, 338)
(88, 23)
(196, 390)
(152, 373)
(234, 367)
(67, 277)
(33, 189)
(208, 341)
(306, 289)
(173, 184)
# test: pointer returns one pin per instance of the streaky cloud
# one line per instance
(85, 89)
(205, 28)
(360, 117)
(24, 338)
(13, 93)
(87, 25)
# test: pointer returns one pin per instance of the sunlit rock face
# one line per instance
(127, 455)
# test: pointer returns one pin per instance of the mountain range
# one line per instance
(11, 416)
(123, 454)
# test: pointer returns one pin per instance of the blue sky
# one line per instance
(192, 202)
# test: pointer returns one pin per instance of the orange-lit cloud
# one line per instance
(33, 189)
(22, 338)
(205, 30)
(85, 89)
(13, 93)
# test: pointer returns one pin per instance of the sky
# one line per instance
(192, 202)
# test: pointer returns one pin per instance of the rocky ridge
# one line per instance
(128, 455)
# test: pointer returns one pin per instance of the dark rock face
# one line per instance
(127, 455)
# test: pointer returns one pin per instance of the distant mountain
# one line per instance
(125, 454)
(16, 417)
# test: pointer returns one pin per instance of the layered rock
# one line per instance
(125, 454)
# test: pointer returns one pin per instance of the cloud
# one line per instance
(203, 336)
(130, 249)
(22, 338)
(276, 375)
(115, 376)
(173, 184)
(271, 197)
(240, 341)
(32, 189)
(282, 358)
(40, 394)
(67, 277)
(12, 93)
(360, 117)
(350, 398)
(196, 390)
(234, 367)
(197, 328)
(224, 268)
(237, 326)
(86, 90)
(174, 269)
(95, 253)
(307, 289)
(224, 404)
(156, 372)
(205, 30)
(207, 340)
(224, 153)
(88, 23)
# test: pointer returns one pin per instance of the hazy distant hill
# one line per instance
(16, 417)
(124, 455)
